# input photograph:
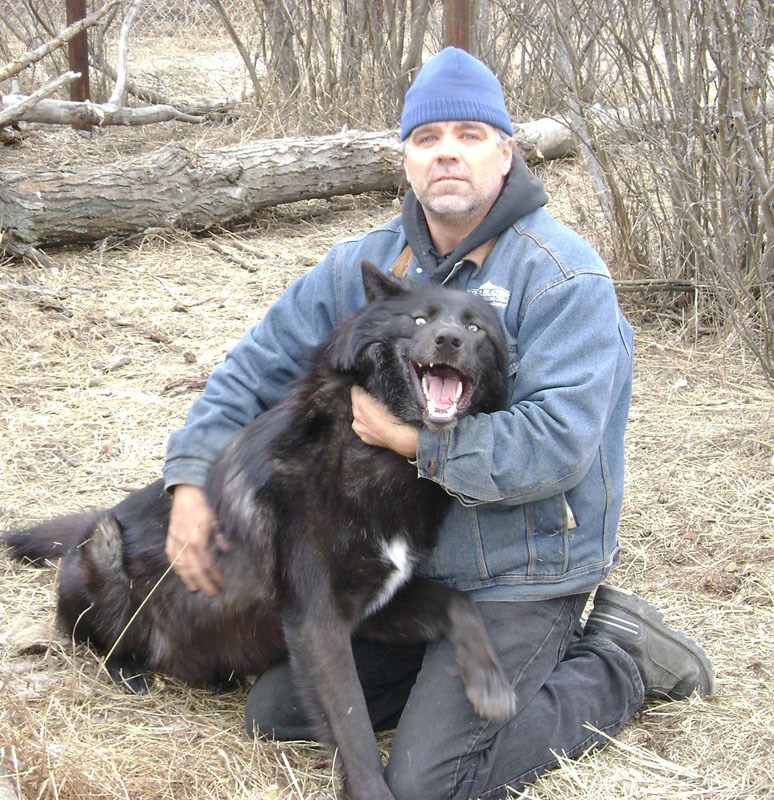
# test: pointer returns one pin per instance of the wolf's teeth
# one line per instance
(442, 413)
(458, 393)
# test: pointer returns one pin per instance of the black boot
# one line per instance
(672, 665)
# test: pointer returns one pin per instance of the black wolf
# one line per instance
(321, 530)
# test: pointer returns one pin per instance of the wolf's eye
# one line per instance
(473, 327)
(420, 321)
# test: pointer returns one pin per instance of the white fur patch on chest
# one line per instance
(397, 553)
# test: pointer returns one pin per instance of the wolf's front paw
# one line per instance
(490, 692)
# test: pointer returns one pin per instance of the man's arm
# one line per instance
(254, 376)
(538, 447)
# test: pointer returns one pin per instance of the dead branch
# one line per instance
(244, 263)
(248, 62)
(655, 285)
(32, 56)
(67, 112)
(568, 72)
(15, 107)
(116, 100)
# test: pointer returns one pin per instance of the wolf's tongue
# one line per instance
(442, 387)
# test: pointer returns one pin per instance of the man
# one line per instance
(539, 486)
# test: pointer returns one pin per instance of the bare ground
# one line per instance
(101, 358)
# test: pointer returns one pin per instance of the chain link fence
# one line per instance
(165, 36)
(170, 16)
(24, 25)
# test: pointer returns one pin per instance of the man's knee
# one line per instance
(404, 776)
(273, 708)
(411, 774)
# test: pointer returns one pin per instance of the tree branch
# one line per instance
(116, 100)
(66, 112)
(14, 111)
(221, 11)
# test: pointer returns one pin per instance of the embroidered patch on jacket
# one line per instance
(495, 295)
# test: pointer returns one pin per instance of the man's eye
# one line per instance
(420, 321)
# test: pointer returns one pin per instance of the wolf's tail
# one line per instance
(50, 539)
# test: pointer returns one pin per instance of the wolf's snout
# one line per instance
(448, 340)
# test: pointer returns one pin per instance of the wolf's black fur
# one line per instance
(315, 524)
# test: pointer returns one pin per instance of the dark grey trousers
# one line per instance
(442, 749)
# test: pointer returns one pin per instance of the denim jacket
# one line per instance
(539, 486)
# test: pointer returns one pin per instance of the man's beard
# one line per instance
(438, 207)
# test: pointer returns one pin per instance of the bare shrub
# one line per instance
(339, 62)
(672, 103)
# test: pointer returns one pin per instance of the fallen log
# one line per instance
(177, 187)
(544, 139)
(196, 189)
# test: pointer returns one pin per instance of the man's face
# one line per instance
(456, 169)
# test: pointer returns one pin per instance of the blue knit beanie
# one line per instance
(454, 85)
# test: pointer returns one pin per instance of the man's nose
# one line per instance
(447, 147)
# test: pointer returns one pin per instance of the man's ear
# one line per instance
(508, 163)
(378, 285)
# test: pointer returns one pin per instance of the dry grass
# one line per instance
(101, 358)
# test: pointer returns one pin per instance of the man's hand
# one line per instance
(376, 426)
(188, 537)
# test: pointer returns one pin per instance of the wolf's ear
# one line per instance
(377, 285)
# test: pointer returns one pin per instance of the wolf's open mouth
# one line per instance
(446, 392)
